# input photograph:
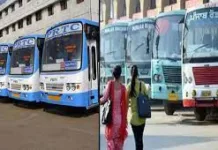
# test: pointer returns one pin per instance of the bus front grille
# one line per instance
(15, 86)
(54, 87)
(172, 74)
(205, 75)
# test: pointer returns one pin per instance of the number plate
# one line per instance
(54, 97)
(172, 97)
(16, 95)
(206, 93)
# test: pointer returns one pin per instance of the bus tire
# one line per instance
(169, 109)
(200, 114)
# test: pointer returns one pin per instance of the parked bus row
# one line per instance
(60, 67)
(177, 53)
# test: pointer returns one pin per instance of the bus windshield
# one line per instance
(167, 37)
(22, 61)
(201, 35)
(63, 53)
(3, 59)
(113, 45)
(139, 42)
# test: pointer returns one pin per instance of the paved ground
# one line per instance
(34, 129)
(178, 132)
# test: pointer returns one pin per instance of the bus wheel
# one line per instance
(200, 113)
(169, 109)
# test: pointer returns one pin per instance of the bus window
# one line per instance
(93, 63)
(88, 52)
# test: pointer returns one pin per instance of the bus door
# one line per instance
(93, 72)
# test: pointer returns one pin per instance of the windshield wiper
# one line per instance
(111, 52)
(171, 59)
(202, 46)
(136, 49)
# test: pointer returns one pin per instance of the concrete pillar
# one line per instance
(131, 5)
(107, 10)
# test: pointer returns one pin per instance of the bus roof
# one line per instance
(203, 6)
(116, 24)
(171, 13)
(32, 36)
(74, 20)
(148, 20)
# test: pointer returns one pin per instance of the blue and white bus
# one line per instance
(70, 64)
(139, 48)
(5, 59)
(166, 60)
(25, 66)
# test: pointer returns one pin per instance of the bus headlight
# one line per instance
(27, 87)
(190, 80)
(194, 93)
(72, 86)
(68, 87)
(157, 78)
(24, 87)
(42, 86)
(185, 79)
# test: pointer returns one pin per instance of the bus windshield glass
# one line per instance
(113, 44)
(3, 59)
(63, 48)
(167, 37)
(22, 60)
(201, 35)
(139, 42)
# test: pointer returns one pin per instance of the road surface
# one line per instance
(178, 132)
(34, 129)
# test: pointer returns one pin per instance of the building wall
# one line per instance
(148, 8)
(88, 9)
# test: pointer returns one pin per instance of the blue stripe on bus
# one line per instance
(75, 100)
(4, 92)
(29, 97)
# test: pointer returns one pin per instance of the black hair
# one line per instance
(134, 73)
(117, 72)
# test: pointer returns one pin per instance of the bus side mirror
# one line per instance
(157, 41)
(10, 50)
(94, 34)
(40, 43)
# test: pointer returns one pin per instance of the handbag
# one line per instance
(107, 112)
(144, 108)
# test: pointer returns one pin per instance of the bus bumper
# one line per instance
(4, 92)
(74, 100)
(200, 103)
(29, 97)
(172, 95)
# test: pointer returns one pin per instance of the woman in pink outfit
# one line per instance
(116, 131)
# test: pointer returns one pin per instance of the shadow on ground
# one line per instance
(5, 100)
(194, 122)
(69, 111)
(27, 105)
(160, 142)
